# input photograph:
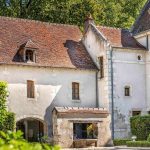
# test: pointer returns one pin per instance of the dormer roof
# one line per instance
(29, 44)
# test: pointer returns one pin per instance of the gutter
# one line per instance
(112, 94)
(97, 91)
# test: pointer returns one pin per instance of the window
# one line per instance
(127, 91)
(135, 113)
(29, 55)
(75, 91)
(139, 57)
(30, 89)
(101, 63)
(85, 130)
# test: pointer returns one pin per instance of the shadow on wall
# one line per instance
(109, 143)
(48, 112)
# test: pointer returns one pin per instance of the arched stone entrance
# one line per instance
(32, 128)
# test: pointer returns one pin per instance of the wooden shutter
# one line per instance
(30, 89)
(75, 91)
(101, 63)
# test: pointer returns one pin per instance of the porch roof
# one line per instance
(66, 110)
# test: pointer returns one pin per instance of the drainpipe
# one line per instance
(112, 95)
(97, 90)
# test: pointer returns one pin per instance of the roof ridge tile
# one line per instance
(36, 21)
(109, 27)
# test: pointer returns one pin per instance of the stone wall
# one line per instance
(53, 87)
(63, 130)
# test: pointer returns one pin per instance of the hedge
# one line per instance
(118, 142)
(138, 144)
(140, 126)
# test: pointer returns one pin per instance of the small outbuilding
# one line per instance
(78, 127)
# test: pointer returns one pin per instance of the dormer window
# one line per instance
(29, 56)
(28, 51)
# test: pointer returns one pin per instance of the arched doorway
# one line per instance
(33, 129)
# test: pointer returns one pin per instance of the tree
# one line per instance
(7, 120)
(115, 13)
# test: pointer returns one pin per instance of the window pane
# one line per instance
(29, 55)
(127, 91)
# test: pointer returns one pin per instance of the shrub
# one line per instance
(7, 119)
(14, 141)
(138, 144)
(140, 126)
(118, 142)
(9, 123)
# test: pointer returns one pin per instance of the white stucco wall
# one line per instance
(128, 71)
(53, 88)
(96, 47)
(148, 80)
(144, 39)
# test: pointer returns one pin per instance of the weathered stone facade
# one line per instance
(64, 118)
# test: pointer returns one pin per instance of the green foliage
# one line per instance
(114, 13)
(118, 142)
(140, 126)
(148, 138)
(138, 144)
(7, 119)
(15, 141)
(9, 123)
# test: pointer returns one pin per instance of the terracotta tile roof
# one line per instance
(57, 45)
(142, 23)
(81, 110)
(119, 37)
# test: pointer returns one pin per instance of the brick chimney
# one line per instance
(88, 20)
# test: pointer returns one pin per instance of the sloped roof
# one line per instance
(81, 110)
(58, 45)
(142, 23)
(119, 37)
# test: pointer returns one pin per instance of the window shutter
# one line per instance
(75, 91)
(101, 63)
(30, 89)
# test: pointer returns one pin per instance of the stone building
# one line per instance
(78, 89)
(47, 66)
(124, 87)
